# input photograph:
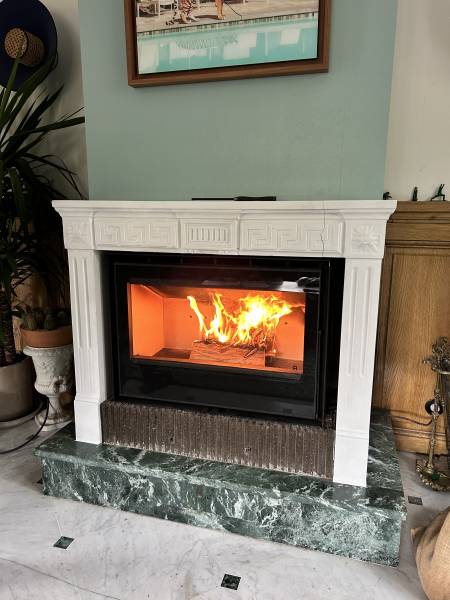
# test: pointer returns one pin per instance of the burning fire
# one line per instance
(251, 325)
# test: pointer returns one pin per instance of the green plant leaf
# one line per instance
(30, 229)
(17, 186)
(6, 93)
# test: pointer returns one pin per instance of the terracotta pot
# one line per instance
(16, 390)
(41, 338)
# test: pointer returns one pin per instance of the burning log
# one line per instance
(252, 324)
(224, 354)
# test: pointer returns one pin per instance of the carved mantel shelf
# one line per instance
(353, 229)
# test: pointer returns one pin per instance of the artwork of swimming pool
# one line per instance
(242, 43)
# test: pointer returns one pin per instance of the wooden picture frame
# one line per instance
(319, 64)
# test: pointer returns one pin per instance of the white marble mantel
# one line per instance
(353, 229)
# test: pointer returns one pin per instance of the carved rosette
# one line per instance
(367, 239)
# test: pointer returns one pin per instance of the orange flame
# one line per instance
(251, 325)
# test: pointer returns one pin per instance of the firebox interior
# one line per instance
(243, 328)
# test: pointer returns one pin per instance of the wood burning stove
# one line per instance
(249, 334)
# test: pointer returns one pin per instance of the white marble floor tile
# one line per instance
(121, 556)
(19, 582)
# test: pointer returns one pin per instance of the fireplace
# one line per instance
(207, 257)
(258, 335)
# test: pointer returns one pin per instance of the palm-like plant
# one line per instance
(28, 223)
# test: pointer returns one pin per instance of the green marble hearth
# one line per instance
(362, 523)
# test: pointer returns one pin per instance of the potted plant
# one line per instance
(15, 369)
(49, 328)
(30, 229)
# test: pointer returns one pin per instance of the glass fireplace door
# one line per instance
(221, 327)
(237, 333)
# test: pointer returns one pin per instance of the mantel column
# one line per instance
(356, 364)
(91, 366)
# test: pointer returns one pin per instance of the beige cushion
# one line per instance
(432, 546)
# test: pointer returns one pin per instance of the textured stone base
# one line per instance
(273, 444)
(362, 523)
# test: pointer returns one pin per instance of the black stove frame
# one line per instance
(310, 395)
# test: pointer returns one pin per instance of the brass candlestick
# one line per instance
(440, 364)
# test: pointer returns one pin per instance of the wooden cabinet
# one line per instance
(414, 312)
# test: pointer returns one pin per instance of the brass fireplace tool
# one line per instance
(440, 364)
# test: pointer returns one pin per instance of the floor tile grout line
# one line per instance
(61, 579)
(57, 522)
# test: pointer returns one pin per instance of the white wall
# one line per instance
(69, 145)
(418, 151)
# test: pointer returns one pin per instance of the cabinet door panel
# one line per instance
(419, 312)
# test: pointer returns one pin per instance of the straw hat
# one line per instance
(27, 30)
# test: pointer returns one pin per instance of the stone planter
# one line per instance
(16, 390)
(54, 376)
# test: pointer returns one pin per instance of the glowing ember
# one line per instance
(251, 324)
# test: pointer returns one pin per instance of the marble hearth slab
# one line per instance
(361, 523)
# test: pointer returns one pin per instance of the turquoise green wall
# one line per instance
(302, 137)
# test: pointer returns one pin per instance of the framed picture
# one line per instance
(186, 41)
